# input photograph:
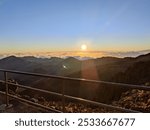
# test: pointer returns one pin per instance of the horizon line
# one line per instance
(79, 54)
(87, 51)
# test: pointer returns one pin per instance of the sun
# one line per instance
(83, 47)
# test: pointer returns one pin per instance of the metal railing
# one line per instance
(62, 94)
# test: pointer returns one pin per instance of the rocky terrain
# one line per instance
(70, 107)
(138, 100)
(135, 99)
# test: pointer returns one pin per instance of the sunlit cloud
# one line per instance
(81, 55)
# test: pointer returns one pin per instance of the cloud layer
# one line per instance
(80, 54)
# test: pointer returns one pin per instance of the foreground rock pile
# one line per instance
(138, 100)
(75, 107)
(135, 99)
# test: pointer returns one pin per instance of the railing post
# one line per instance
(6, 88)
(63, 96)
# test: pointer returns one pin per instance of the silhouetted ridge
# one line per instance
(71, 59)
(11, 59)
(145, 57)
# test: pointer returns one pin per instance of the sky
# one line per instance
(64, 25)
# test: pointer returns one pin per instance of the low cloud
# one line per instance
(80, 54)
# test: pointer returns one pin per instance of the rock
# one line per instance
(41, 99)
(34, 100)
(26, 97)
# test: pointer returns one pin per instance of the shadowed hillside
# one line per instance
(125, 70)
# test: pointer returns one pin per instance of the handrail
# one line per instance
(62, 94)
(142, 87)
(74, 98)
(32, 103)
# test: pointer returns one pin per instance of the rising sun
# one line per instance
(83, 47)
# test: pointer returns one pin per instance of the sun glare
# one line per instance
(83, 47)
